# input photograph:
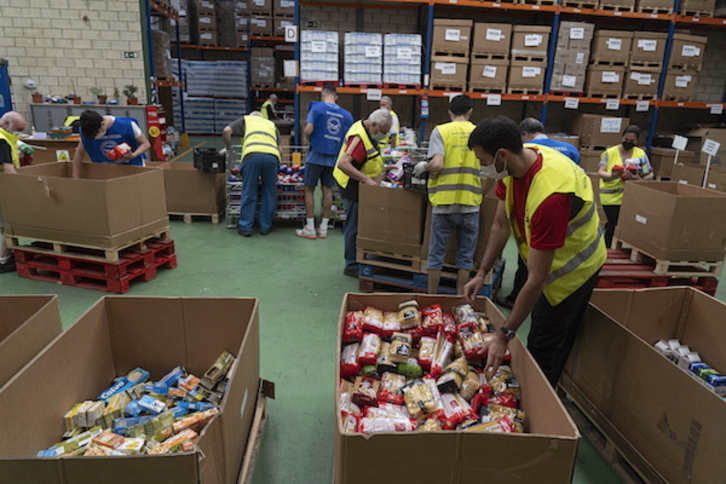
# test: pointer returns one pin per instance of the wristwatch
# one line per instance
(508, 333)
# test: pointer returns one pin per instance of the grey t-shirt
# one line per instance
(436, 147)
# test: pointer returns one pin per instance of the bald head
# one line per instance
(12, 121)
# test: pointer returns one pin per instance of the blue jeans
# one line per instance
(350, 232)
(466, 226)
(255, 167)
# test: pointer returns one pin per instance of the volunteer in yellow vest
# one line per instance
(260, 160)
(391, 137)
(617, 164)
(455, 192)
(547, 202)
(11, 125)
(268, 108)
(359, 161)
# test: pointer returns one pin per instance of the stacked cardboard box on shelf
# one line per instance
(698, 136)
(654, 6)
(490, 50)
(363, 55)
(402, 59)
(699, 8)
(241, 20)
(284, 11)
(204, 21)
(617, 5)
(684, 65)
(319, 56)
(607, 71)
(262, 67)
(528, 59)
(663, 159)
(451, 48)
(599, 132)
(261, 21)
(571, 56)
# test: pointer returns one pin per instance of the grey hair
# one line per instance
(10, 117)
(388, 100)
(255, 113)
(531, 126)
(380, 117)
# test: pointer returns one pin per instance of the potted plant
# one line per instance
(73, 97)
(98, 92)
(130, 92)
(37, 96)
(116, 93)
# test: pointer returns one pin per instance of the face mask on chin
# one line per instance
(378, 136)
(491, 171)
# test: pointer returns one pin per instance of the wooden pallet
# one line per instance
(686, 99)
(655, 10)
(670, 267)
(603, 95)
(685, 67)
(641, 97)
(487, 56)
(458, 55)
(616, 8)
(81, 251)
(697, 13)
(530, 58)
(590, 5)
(388, 260)
(609, 62)
(524, 91)
(393, 85)
(645, 64)
(441, 87)
(365, 85)
(539, 2)
(486, 90)
(254, 441)
(189, 217)
(625, 460)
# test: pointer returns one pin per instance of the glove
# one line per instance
(419, 169)
(25, 148)
(223, 151)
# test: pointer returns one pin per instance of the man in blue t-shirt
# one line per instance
(110, 139)
(325, 127)
(532, 131)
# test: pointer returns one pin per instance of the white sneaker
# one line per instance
(306, 233)
(322, 232)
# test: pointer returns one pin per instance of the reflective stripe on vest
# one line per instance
(611, 192)
(260, 137)
(387, 139)
(12, 141)
(459, 182)
(374, 163)
(584, 251)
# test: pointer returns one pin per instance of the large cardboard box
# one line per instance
(567, 138)
(280, 23)
(590, 159)
(260, 7)
(698, 136)
(530, 41)
(203, 6)
(113, 337)
(655, 6)
(548, 449)
(703, 8)
(209, 39)
(490, 74)
(612, 45)
(284, 7)
(28, 323)
(680, 85)
(261, 25)
(673, 221)
(391, 220)
(207, 22)
(109, 206)
(688, 174)
(601, 131)
(526, 75)
(188, 190)
(641, 82)
(716, 179)
(452, 35)
(605, 80)
(687, 51)
(448, 71)
(492, 39)
(662, 160)
(648, 47)
(662, 414)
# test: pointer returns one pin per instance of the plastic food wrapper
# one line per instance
(426, 351)
(455, 410)
(430, 425)
(353, 327)
(489, 427)
(349, 422)
(400, 348)
(411, 369)
(365, 391)
(433, 319)
(395, 424)
(391, 390)
(384, 362)
(369, 350)
(409, 314)
(419, 400)
(370, 371)
(386, 410)
(118, 151)
(195, 421)
(503, 382)
(449, 327)
(470, 386)
(471, 340)
(174, 442)
(345, 402)
(444, 350)
(391, 324)
(453, 376)
(345, 386)
(108, 439)
(372, 320)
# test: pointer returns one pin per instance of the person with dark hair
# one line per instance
(455, 193)
(325, 126)
(100, 137)
(618, 164)
(547, 202)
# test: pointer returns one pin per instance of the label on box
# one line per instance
(403, 53)
(259, 3)
(373, 51)
(611, 125)
(569, 81)
(635, 76)
(577, 33)
(205, 20)
(610, 77)
(710, 147)
(207, 5)
(494, 99)
(683, 182)
(716, 108)
(645, 80)
(683, 81)
(647, 45)
(452, 35)
(446, 67)
(206, 36)
(612, 104)
(490, 72)
(259, 22)
(641, 219)
(642, 106)
(495, 35)
(580, 58)
(532, 40)
(690, 51)
(572, 103)
(529, 71)
(374, 95)
(712, 186)
(679, 142)
(318, 46)
(287, 3)
(614, 44)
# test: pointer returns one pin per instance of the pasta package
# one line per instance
(349, 360)
(365, 391)
(433, 319)
(399, 350)
(409, 314)
(391, 389)
(372, 320)
(369, 350)
(391, 324)
(426, 352)
(453, 376)
(419, 400)
(353, 329)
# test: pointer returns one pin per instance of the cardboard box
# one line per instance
(716, 179)
(263, 26)
(703, 8)
(490, 74)
(280, 23)
(575, 36)
(687, 51)
(110, 205)
(448, 71)
(673, 221)
(188, 190)
(530, 41)
(662, 160)
(284, 7)
(548, 448)
(697, 137)
(116, 335)
(208, 7)
(590, 160)
(27, 325)
(567, 138)
(680, 85)
(641, 82)
(663, 414)
(452, 36)
(648, 47)
(661, 6)
(526, 75)
(262, 67)
(241, 38)
(688, 174)
(208, 38)
(207, 22)
(601, 131)
(605, 80)
(391, 220)
(612, 45)
(493, 39)
(260, 7)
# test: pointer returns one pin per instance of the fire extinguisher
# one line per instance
(424, 106)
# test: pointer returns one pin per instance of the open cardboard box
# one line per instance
(666, 417)
(546, 453)
(109, 206)
(27, 324)
(114, 336)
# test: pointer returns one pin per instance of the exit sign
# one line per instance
(131, 55)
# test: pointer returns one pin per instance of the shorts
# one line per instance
(466, 226)
(314, 172)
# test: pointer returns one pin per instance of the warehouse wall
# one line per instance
(48, 41)
(712, 82)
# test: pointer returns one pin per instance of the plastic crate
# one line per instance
(207, 160)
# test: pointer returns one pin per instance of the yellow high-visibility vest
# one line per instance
(374, 163)
(12, 140)
(260, 137)
(264, 110)
(459, 180)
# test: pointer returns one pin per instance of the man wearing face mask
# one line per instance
(12, 125)
(547, 202)
(103, 136)
(359, 161)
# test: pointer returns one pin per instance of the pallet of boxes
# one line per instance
(597, 133)
(684, 65)
(528, 59)
(101, 231)
(571, 57)
(203, 22)
(450, 54)
(490, 50)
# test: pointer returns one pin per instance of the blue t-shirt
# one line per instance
(565, 148)
(121, 131)
(330, 123)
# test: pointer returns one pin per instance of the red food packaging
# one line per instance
(365, 391)
(118, 151)
(398, 424)
(449, 327)
(353, 327)
(391, 390)
(506, 400)
(472, 341)
(455, 410)
(433, 319)
(507, 424)
(349, 360)
(349, 422)
(369, 350)
(372, 320)
(391, 324)
(426, 352)
(416, 333)
(444, 351)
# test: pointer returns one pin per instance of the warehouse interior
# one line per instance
(587, 70)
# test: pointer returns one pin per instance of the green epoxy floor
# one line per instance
(300, 284)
